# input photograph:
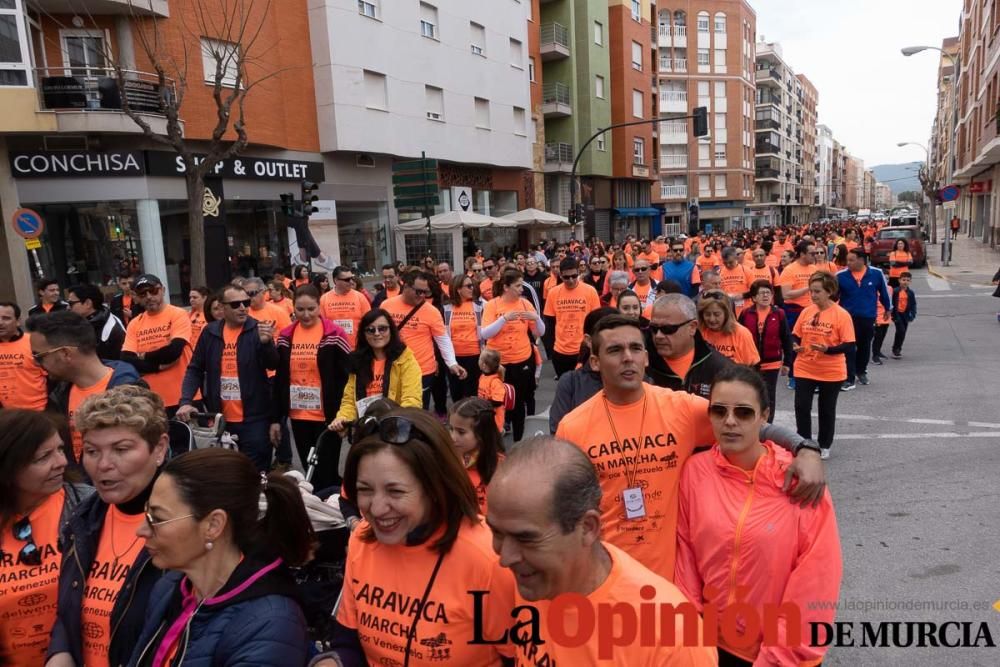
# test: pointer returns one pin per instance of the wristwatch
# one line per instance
(807, 444)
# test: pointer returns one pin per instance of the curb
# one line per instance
(959, 281)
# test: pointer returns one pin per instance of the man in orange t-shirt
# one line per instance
(568, 305)
(262, 311)
(344, 305)
(544, 510)
(22, 380)
(735, 281)
(158, 342)
(708, 260)
(760, 270)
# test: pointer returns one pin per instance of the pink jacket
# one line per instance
(739, 539)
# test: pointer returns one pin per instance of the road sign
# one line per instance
(32, 244)
(27, 224)
(949, 193)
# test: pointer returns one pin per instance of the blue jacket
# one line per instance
(253, 360)
(680, 272)
(861, 300)
(254, 619)
(910, 313)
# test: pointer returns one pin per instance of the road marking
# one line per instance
(954, 295)
(937, 284)
(916, 436)
(983, 425)
(916, 420)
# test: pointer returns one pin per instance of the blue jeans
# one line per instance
(254, 441)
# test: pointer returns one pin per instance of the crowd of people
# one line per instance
(662, 478)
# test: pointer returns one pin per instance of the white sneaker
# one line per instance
(824, 454)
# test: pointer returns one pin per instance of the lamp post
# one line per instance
(932, 205)
(909, 51)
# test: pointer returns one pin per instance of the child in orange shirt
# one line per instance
(477, 442)
(491, 385)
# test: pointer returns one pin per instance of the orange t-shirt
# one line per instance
(570, 308)
(882, 316)
(383, 584)
(652, 256)
(796, 276)
(126, 305)
(28, 592)
(547, 286)
(655, 447)
(642, 291)
(681, 365)
(622, 586)
(512, 342)
(345, 311)
(116, 551)
(754, 274)
(464, 336)
(419, 332)
(148, 332)
(739, 345)
(77, 395)
(735, 283)
(197, 324)
(286, 304)
(274, 315)
(305, 391)
(899, 256)
(830, 327)
(232, 400)
(22, 381)
(778, 248)
(708, 263)
(477, 484)
(491, 389)
(661, 249)
(374, 387)
(903, 301)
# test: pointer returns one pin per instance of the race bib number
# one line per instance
(230, 389)
(635, 504)
(346, 325)
(305, 398)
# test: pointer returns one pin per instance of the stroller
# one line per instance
(204, 430)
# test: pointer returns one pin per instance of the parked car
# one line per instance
(904, 219)
(885, 241)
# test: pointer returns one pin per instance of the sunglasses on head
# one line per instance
(377, 329)
(742, 413)
(29, 554)
(667, 329)
(245, 303)
(393, 430)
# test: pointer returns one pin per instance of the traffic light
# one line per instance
(288, 203)
(701, 121)
(308, 197)
(581, 214)
(572, 215)
(693, 218)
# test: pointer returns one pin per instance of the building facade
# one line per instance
(823, 197)
(884, 199)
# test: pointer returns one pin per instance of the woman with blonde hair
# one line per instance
(719, 328)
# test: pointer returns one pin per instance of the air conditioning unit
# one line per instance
(433, 115)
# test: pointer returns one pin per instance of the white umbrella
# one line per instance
(531, 217)
(455, 220)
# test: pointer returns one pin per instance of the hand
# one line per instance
(339, 425)
(184, 412)
(807, 469)
(458, 372)
(784, 370)
(796, 348)
(819, 347)
(264, 330)
(275, 434)
(127, 312)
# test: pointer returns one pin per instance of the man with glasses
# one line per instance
(487, 277)
(88, 301)
(22, 380)
(158, 342)
(390, 285)
(681, 270)
(566, 307)
(644, 286)
(65, 346)
(229, 366)
(264, 311)
(344, 305)
(421, 326)
(683, 360)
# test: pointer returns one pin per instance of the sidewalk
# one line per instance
(972, 262)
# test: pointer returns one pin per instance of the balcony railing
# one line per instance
(673, 96)
(666, 63)
(680, 31)
(767, 124)
(766, 173)
(764, 147)
(680, 64)
(555, 93)
(674, 161)
(673, 191)
(96, 89)
(554, 41)
(559, 152)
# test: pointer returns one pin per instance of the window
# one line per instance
(375, 91)
(368, 8)
(216, 56)
(703, 56)
(516, 53)
(720, 24)
(637, 103)
(720, 185)
(598, 33)
(428, 20)
(702, 21)
(637, 56)
(636, 10)
(477, 37)
(720, 88)
(599, 86)
(520, 126)
(435, 103)
(720, 155)
(720, 121)
(703, 156)
(704, 186)
(482, 113)
(720, 61)
(601, 145)
(638, 150)
(531, 69)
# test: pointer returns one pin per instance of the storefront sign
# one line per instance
(63, 92)
(161, 163)
(51, 164)
(980, 187)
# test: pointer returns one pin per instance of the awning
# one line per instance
(643, 212)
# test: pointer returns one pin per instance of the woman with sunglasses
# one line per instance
(420, 538)
(822, 338)
(719, 328)
(35, 503)
(463, 317)
(381, 367)
(106, 576)
(229, 597)
(737, 534)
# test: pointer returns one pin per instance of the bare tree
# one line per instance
(930, 186)
(234, 29)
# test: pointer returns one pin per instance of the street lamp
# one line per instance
(909, 51)
(933, 204)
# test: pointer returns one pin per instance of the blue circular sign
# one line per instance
(27, 223)
(949, 193)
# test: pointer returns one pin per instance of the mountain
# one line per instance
(899, 177)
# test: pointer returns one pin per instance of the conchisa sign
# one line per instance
(91, 164)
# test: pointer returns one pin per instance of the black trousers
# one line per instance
(771, 380)
(864, 332)
(521, 376)
(306, 435)
(564, 363)
(470, 385)
(880, 331)
(439, 390)
(828, 394)
(897, 340)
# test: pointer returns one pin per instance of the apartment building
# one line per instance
(838, 180)
(444, 78)
(883, 197)
(854, 183)
(705, 57)
(823, 196)
(810, 102)
(868, 194)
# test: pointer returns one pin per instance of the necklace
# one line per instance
(114, 564)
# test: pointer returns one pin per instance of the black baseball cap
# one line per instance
(146, 280)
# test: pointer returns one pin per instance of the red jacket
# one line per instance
(775, 343)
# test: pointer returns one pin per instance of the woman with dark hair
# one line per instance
(213, 309)
(421, 538)
(106, 576)
(196, 298)
(463, 316)
(321, 282)
(381, 367)
(35, 503)
(900, 260)
(300, 276)
(630, 306)
(228, 598)
(478, 442)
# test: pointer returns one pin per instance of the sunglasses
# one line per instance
(348, 279)
(570, 276)
(641, 268)
(245, 303)
(393, 430)
(742, 413)
(146, 291)
(378, 329)
(678, 249)
(467, 285)
(153, 524)
(38, 356)
(487, 268)
(667, 329)
(253, 292)
(422, 292)
(29, 555)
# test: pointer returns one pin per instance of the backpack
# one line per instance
(509, 396)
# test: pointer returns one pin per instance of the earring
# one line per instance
(208, 546)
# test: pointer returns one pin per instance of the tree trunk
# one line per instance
(196, 224)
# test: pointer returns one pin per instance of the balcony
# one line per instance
(766, 174)
(105, 7)
(673, 161)
(672, 36)
(663, 36)
(766, 147)
(666, 64)
(673, 191)
(680, 64)
(766, 124)
(765, 98)
(768, 76)
(554, 42)
(558, 157)
(556, 100)
(673, 101)
(673, 133)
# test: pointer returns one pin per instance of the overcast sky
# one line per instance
(870, 95)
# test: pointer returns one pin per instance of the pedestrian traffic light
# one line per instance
(572, 215)
(701, 121)
(288, 203)
(308, 197)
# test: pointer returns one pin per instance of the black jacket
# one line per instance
(57, 306)
(118, 307)
(110, 332)
(706, 365)
(332, 359)
(253, 359)
(573, 389)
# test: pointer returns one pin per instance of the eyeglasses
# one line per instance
(38, 356)
(377, 329)
(422, 292)
(667, 329)
(73, 303)
(348, 279)
(253, 292)
(146, 291)
(641, 268)
(570, 276)
(678, 249)
(487, 268)
(245, 303)
(29, 554)
(153, 524)
(742, 413)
